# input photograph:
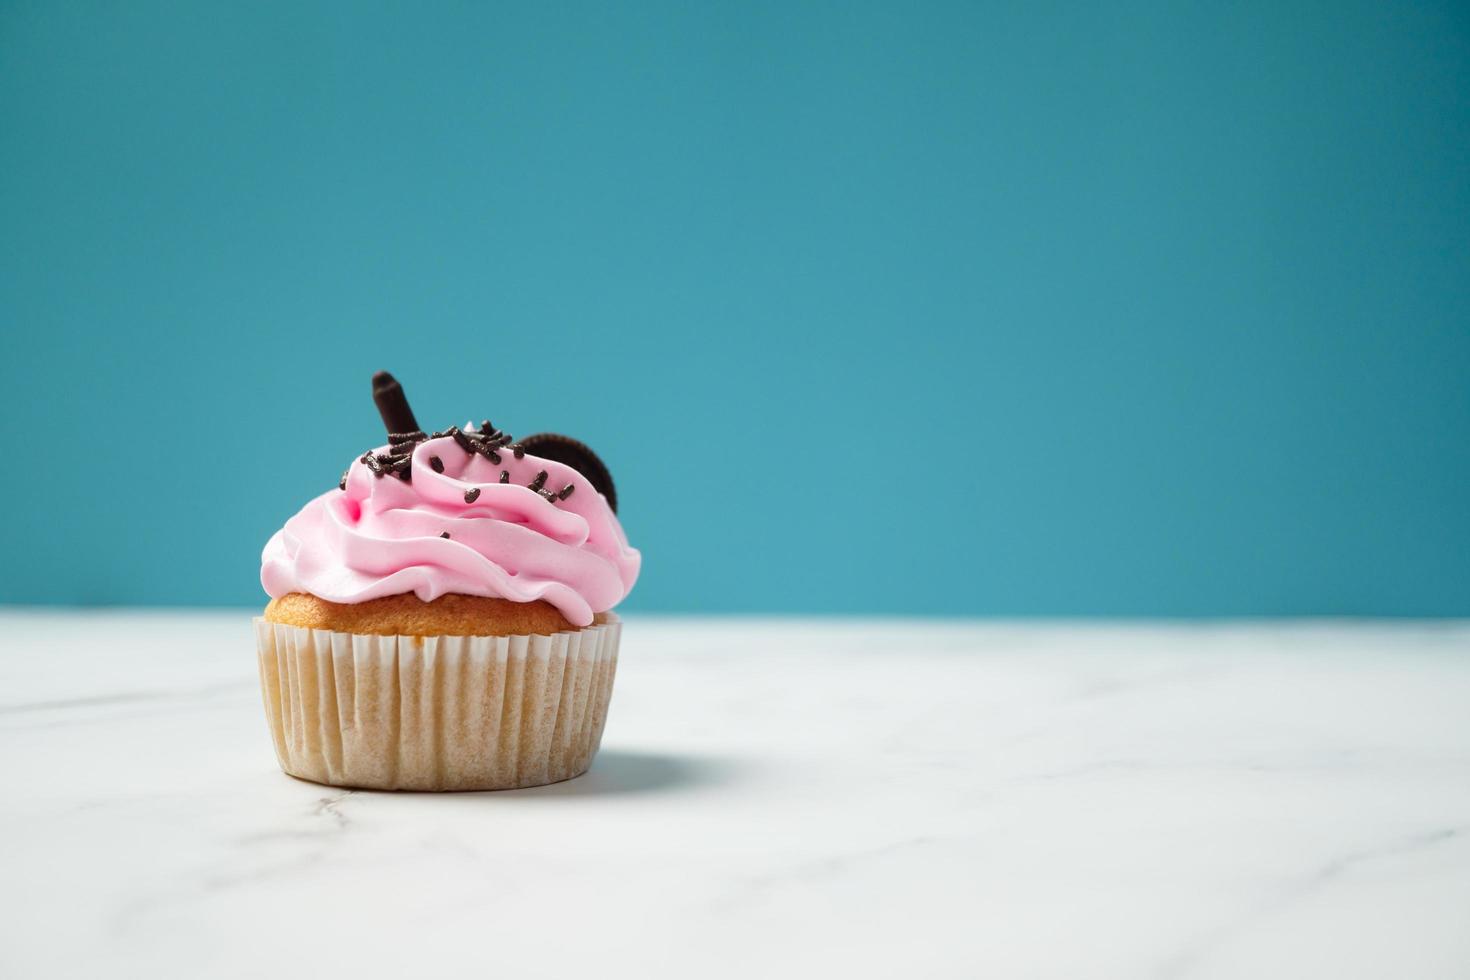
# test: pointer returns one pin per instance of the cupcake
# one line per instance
(442, 619)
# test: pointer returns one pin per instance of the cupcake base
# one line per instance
(436, 712)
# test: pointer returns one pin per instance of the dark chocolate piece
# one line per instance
(539, 482)
(343, 484)
(444, 534)
(392, 404)
(471, 495)
(505, 476)
(436, 464)
(565, 492)
(577, 455)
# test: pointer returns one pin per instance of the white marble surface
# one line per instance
(773, 799)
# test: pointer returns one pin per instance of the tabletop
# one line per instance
(773, 798)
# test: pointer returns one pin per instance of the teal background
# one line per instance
(1125, 309)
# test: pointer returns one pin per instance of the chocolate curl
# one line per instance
(392, 404)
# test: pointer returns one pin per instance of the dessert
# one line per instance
(442, 619)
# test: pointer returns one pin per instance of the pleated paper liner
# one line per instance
(438, 712)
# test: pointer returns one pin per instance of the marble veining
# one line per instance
(774, 798)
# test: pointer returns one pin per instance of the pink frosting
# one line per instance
(381, 536)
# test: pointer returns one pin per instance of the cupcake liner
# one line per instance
(436, 712)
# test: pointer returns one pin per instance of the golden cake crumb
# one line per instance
(408, 615)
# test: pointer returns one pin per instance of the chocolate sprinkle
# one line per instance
(445, 534)
(343, 484)
(399, 457)
(404, 435)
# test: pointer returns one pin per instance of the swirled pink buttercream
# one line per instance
(382, 536)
